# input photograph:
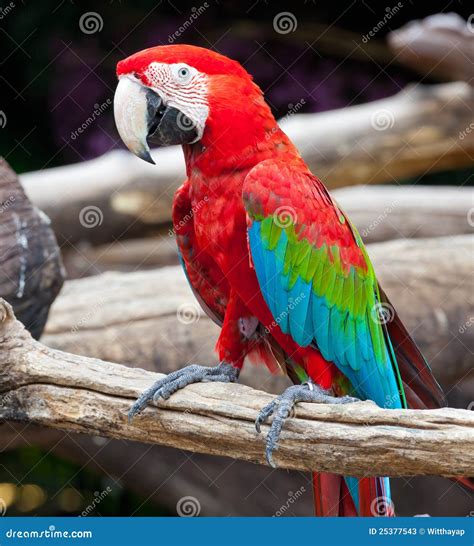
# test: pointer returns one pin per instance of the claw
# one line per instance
(179, 379)
(281, 407)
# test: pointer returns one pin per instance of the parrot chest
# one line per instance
(219, 221)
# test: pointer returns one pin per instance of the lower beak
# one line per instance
(142, 117)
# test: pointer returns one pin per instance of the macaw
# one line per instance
(270, 256)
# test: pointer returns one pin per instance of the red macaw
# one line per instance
(270, 255)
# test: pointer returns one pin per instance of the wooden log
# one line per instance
(59, 390)
(439, 46)
(422, 129)
(31, 271)
(381, 213)
(152, 319)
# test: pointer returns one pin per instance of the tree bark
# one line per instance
(380, 213)
(80, 394)
(422, 129)
(152, 319)
(31, 272)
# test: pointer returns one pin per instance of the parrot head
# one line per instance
(182, 94)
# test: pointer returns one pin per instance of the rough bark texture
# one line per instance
(80, 394)
(151, 318)
(118, 196)
(31, 272)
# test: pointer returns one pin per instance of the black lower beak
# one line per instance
(167, 125)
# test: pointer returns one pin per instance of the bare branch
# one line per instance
(79, 394)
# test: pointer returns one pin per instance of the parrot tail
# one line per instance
(336, 496)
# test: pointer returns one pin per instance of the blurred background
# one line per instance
(57, 81)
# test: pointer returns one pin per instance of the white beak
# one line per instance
(130, 112)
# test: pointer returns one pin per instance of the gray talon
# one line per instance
(281, 407)
(179, 379)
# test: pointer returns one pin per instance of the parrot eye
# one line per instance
(183, 74)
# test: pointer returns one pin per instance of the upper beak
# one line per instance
(141, 115)
(131, 116)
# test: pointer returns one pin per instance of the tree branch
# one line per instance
(79, 394)
(419, 130)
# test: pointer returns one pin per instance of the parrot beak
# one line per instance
(141, 117)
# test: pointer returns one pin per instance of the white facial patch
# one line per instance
(183, 87)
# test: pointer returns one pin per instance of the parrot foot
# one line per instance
(179, 379)
(282, 406)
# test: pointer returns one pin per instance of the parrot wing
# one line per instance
(317, 279)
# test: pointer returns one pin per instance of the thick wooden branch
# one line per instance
(31, 271)
(381, 213)
(422, 129)
(80, 394)
(159, 325)
(439, 46)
